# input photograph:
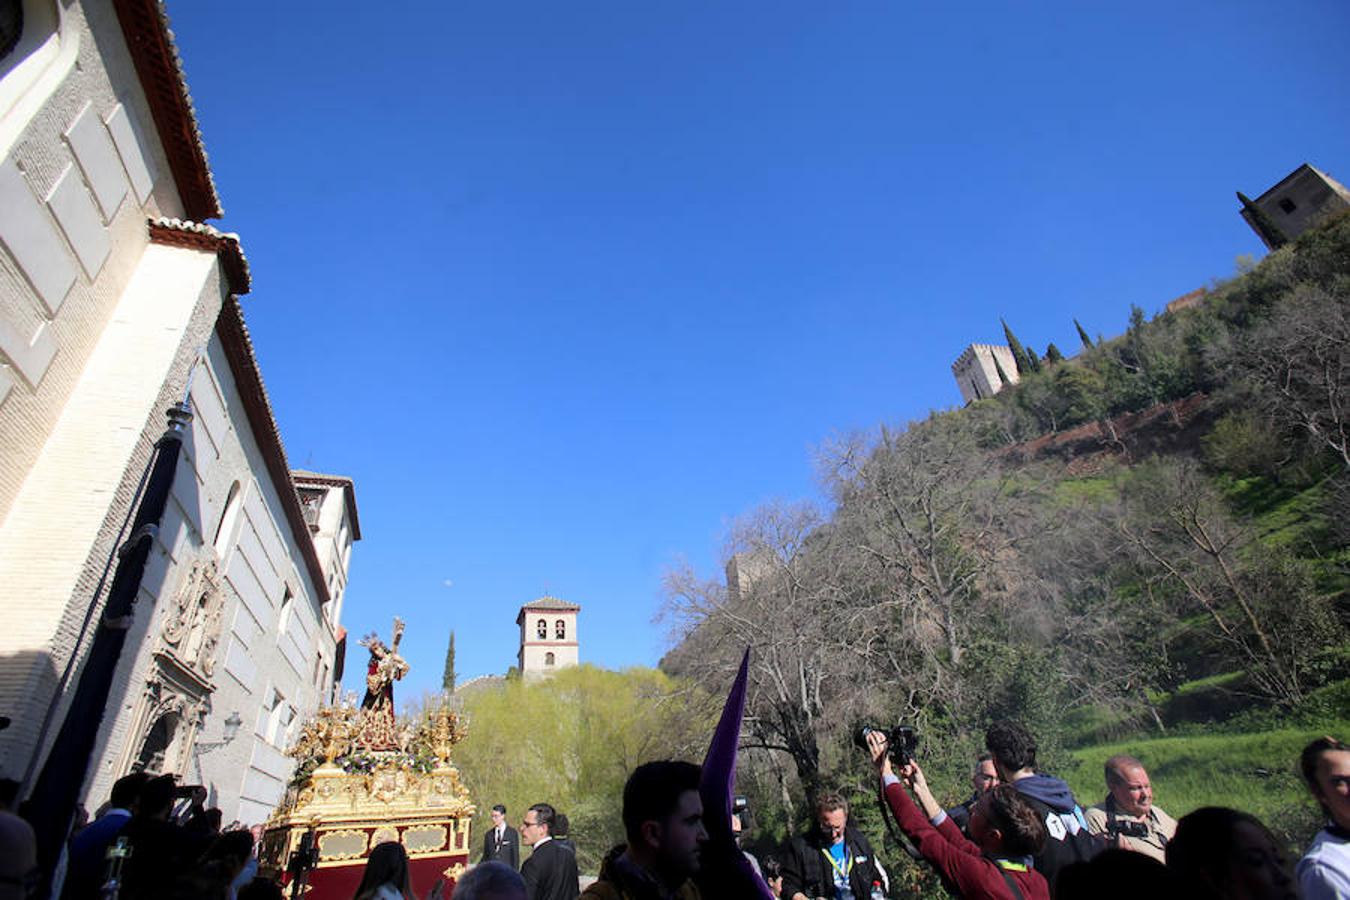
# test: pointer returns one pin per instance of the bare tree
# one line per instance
(1260, 606)
(772, 602)
(1300, 360)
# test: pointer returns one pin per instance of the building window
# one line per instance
(548, 659)
(541, 630)
(560, 630)
(1287, 205)
(287, 606)
(279, 720)
(226, 526)
(311, 503)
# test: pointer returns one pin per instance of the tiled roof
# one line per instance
(547, 602)
(179, 233)
(145, 26)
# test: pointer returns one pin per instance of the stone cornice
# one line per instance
(194, 235)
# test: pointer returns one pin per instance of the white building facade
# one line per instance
(113, 300)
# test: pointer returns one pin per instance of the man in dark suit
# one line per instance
(551, 871)
(501, 843)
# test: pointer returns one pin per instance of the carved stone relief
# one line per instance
(192, 625)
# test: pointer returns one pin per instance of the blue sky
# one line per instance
(566, 287)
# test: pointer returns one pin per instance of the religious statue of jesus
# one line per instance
(379, 731)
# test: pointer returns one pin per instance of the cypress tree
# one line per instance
(1052, 355)
(1003, 376)
(1034, 358)
(1264, 224)
(1083, 336)
(1018, 351)
(448, 677)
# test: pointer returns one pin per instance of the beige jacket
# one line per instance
(1161, 827)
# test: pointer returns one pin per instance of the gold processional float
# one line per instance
(364, 778)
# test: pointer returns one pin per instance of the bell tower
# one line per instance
(548, 636)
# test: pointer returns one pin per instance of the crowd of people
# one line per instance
(1024, 836)
(1021, 835)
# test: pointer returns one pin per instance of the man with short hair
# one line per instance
(1127, 816)
(88, 851)
(1324, 871)
(1068, 839)
(491, 880)
(983, 777)
(663, 820)
(551, 871)
(501, 843)
(833, 860)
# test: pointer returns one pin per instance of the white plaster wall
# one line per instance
(75, 201)
(257, 653)
(533, 651)
(333, 542)
(64, 519)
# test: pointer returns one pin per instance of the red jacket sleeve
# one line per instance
(955, 837)
(959, 861)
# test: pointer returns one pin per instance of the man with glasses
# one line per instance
(501, 843)
(984, 777)
(551, 871)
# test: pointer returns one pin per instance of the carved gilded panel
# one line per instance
(342, 845)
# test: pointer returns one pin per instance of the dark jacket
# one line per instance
(508, 851)
(550, 873)
(960, 814)
(621, 880)
(964, 869)
(806, 871)
(88, 864)
(1067, 838)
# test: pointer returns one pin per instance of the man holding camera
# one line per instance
(833, 860)
(1128, 815)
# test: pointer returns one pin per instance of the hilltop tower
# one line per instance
(1297, 202)
(548, 636)
(977, 371)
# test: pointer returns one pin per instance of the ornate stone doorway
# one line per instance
(158, 743)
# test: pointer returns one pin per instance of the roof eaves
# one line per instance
(258, 409)
(145, 26)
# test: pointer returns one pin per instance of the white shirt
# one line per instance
(1324, 871)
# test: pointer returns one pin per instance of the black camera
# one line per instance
(1122, 828)
(901, 741)
(740, 805)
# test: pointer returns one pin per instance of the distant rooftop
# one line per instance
(547, 602)
(305, 477)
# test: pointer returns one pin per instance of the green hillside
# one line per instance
(1141, 549)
